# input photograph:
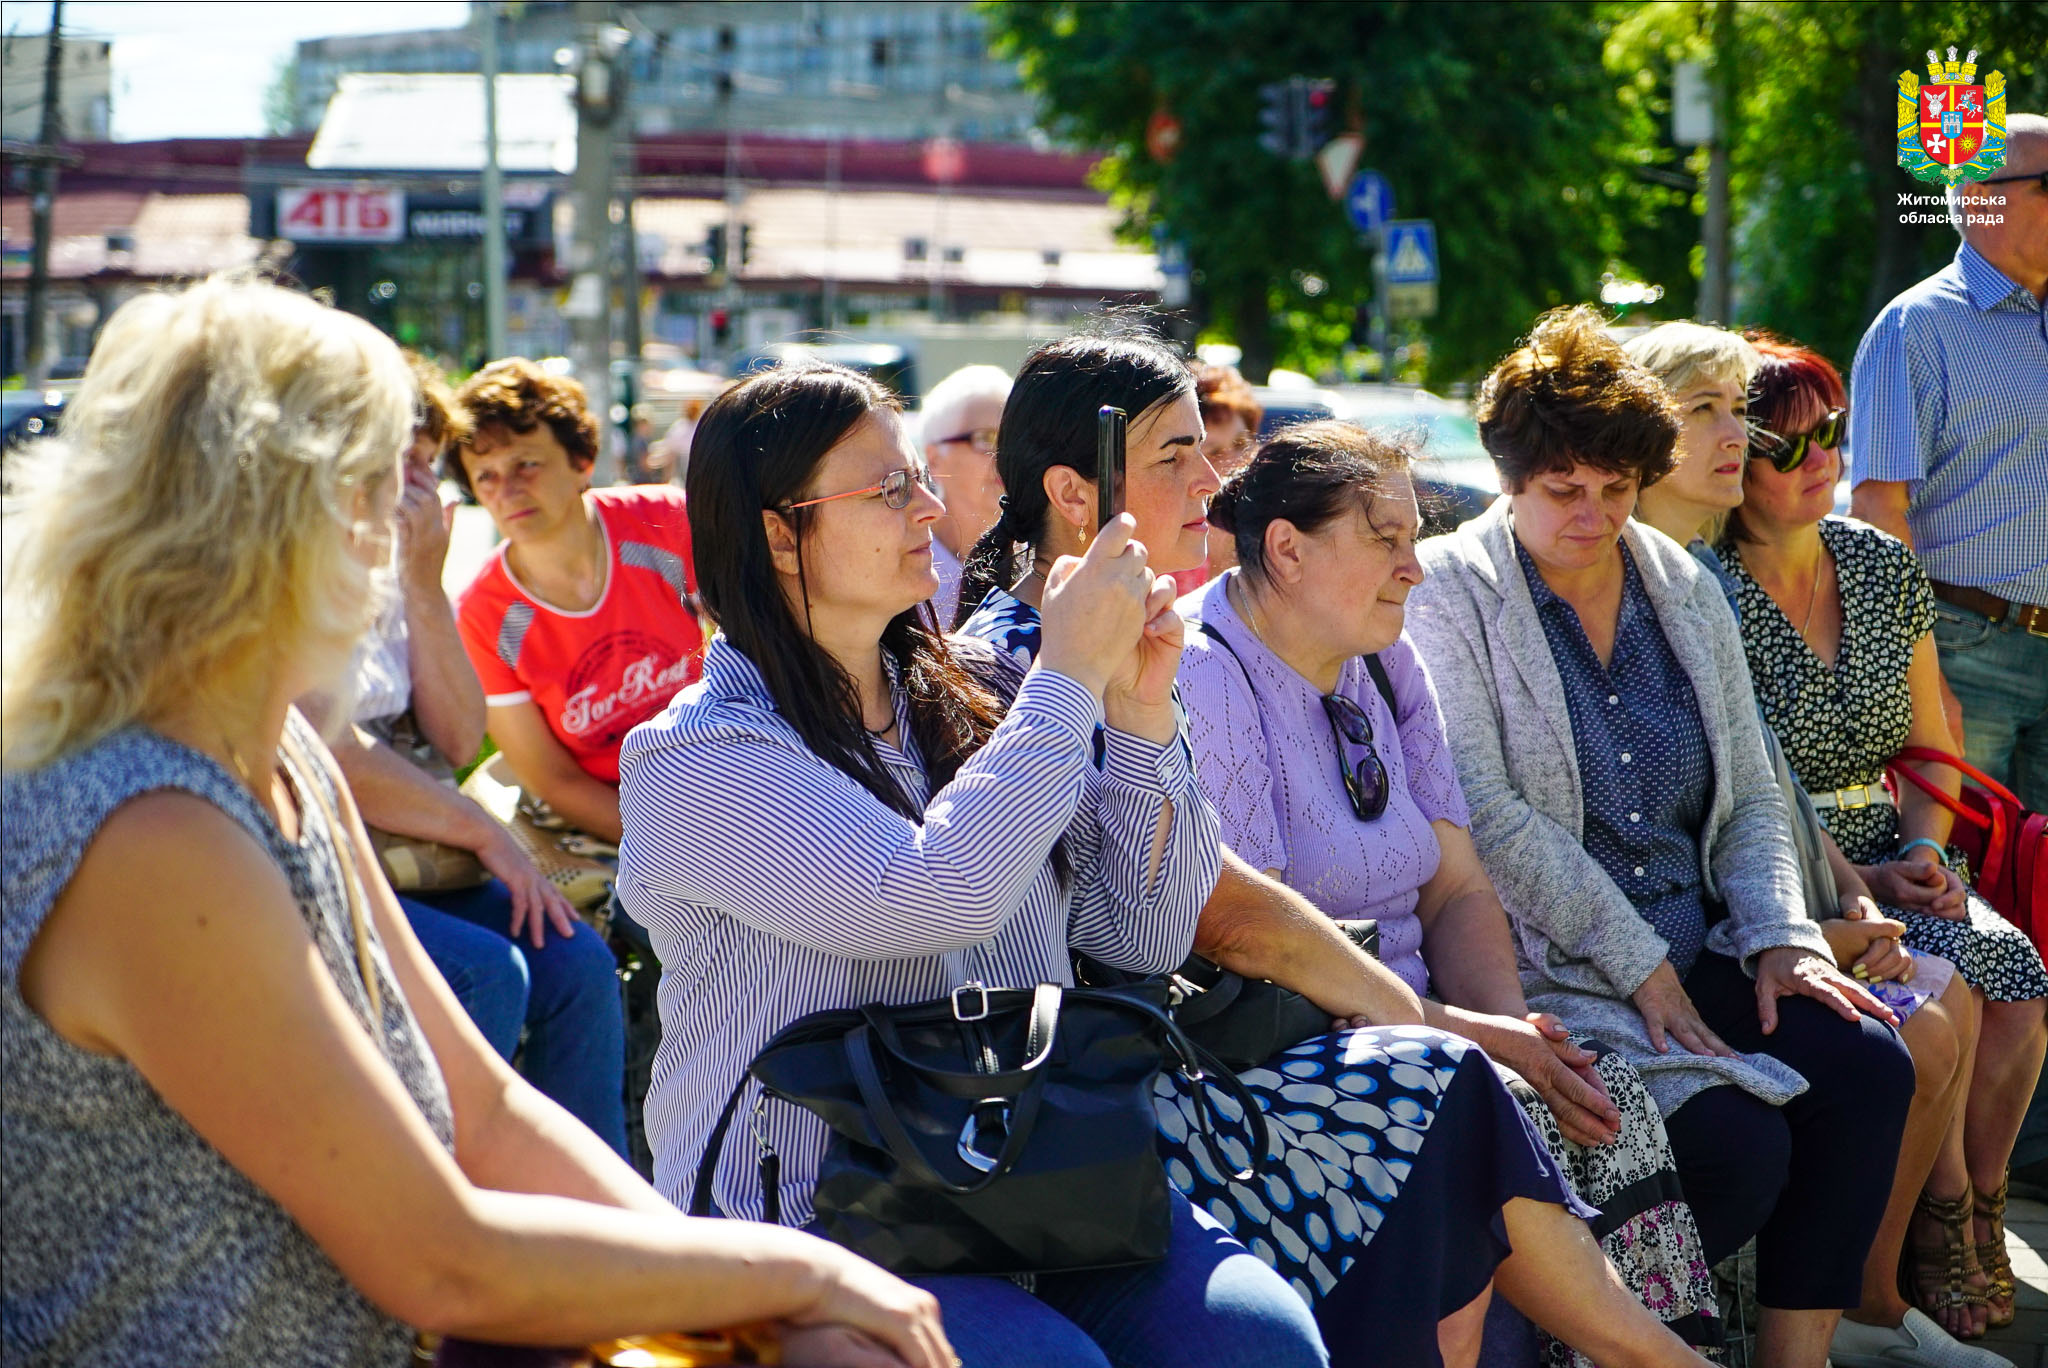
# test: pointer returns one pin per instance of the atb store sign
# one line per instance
(341, 213)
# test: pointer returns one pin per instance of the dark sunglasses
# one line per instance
(2039, 178)
(1364, 779)
(1787, 454)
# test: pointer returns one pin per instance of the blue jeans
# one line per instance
(564, 995)
(2000, 676)
(1209, 1302)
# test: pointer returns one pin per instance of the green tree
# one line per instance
(1819, 247)
(281, 98)
(1537, 137)
(1498, 121)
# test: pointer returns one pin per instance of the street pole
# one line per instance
(495, 345)
(729, 289)
(42, 203)
(589, 305)
(1714, 303)
(1382, 317)
(829, 306)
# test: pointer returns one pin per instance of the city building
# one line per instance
(85, 87)
(857, 236)
(892, 69)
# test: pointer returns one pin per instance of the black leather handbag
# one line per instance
(993, 1131)
(1242, 1022)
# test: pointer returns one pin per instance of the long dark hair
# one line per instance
(754, 449)
(1049, 420)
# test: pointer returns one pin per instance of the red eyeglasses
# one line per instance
(894, 489)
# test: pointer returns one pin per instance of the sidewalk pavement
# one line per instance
(2025, 1342)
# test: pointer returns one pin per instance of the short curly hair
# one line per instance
(518, 395)
(1571, 396)
(1220, 390)
(435, 415)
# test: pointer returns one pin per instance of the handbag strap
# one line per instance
(700, 1191)
(1930, 756)
(860, 1057)
(1940, 795)
(1381, 681)
(975, 1084)
(1199, 1068)
(1211, 1001)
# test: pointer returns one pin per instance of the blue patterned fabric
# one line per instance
(1642, 753)
(1007, 622)
(1949, 394)
(1349, 1118)
(1314, 1208)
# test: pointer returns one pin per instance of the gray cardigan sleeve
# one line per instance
(1542, 872)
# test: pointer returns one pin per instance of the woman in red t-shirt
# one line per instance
(583, 623)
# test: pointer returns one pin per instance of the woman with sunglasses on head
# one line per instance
(1837, 620)
(1607, 742)
(1376, 1214)
(1316, 732)
(842, 813)
(1707, 372)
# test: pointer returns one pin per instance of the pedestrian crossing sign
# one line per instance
(1411, 252)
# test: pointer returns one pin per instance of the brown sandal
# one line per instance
(1992, 1256)
(1936, 1278)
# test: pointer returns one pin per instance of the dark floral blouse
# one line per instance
(1839, 726)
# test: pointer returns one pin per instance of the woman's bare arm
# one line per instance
(1465, 938)
(178, 947)
(1257, 926)
(545, 766)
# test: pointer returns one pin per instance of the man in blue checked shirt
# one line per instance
(1948, 449)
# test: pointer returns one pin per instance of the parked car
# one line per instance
(28, 414)
(1455, 478)
(884, 361)
(1286, 405)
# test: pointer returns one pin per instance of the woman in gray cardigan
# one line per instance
(1599, 707)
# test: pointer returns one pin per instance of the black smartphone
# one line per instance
(1109, 464)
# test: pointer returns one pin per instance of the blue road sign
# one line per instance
(1411, 252)
(1369, 201)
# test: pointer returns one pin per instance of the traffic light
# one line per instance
(1296, 115)
(746, 243)
(721, 327)
(1318, 102)
(1276, 116)
(714, 246)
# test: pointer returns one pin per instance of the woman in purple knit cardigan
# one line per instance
(1316, 734)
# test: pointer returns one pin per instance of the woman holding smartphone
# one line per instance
(1378, 1217)
(939, 837)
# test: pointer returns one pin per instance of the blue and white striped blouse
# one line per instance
(774, 886)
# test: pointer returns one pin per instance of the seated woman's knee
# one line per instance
(1934, 1038)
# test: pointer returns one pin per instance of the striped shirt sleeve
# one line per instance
(803, 853)
(1119, 915)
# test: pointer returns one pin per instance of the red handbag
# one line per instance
(2006, 844)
